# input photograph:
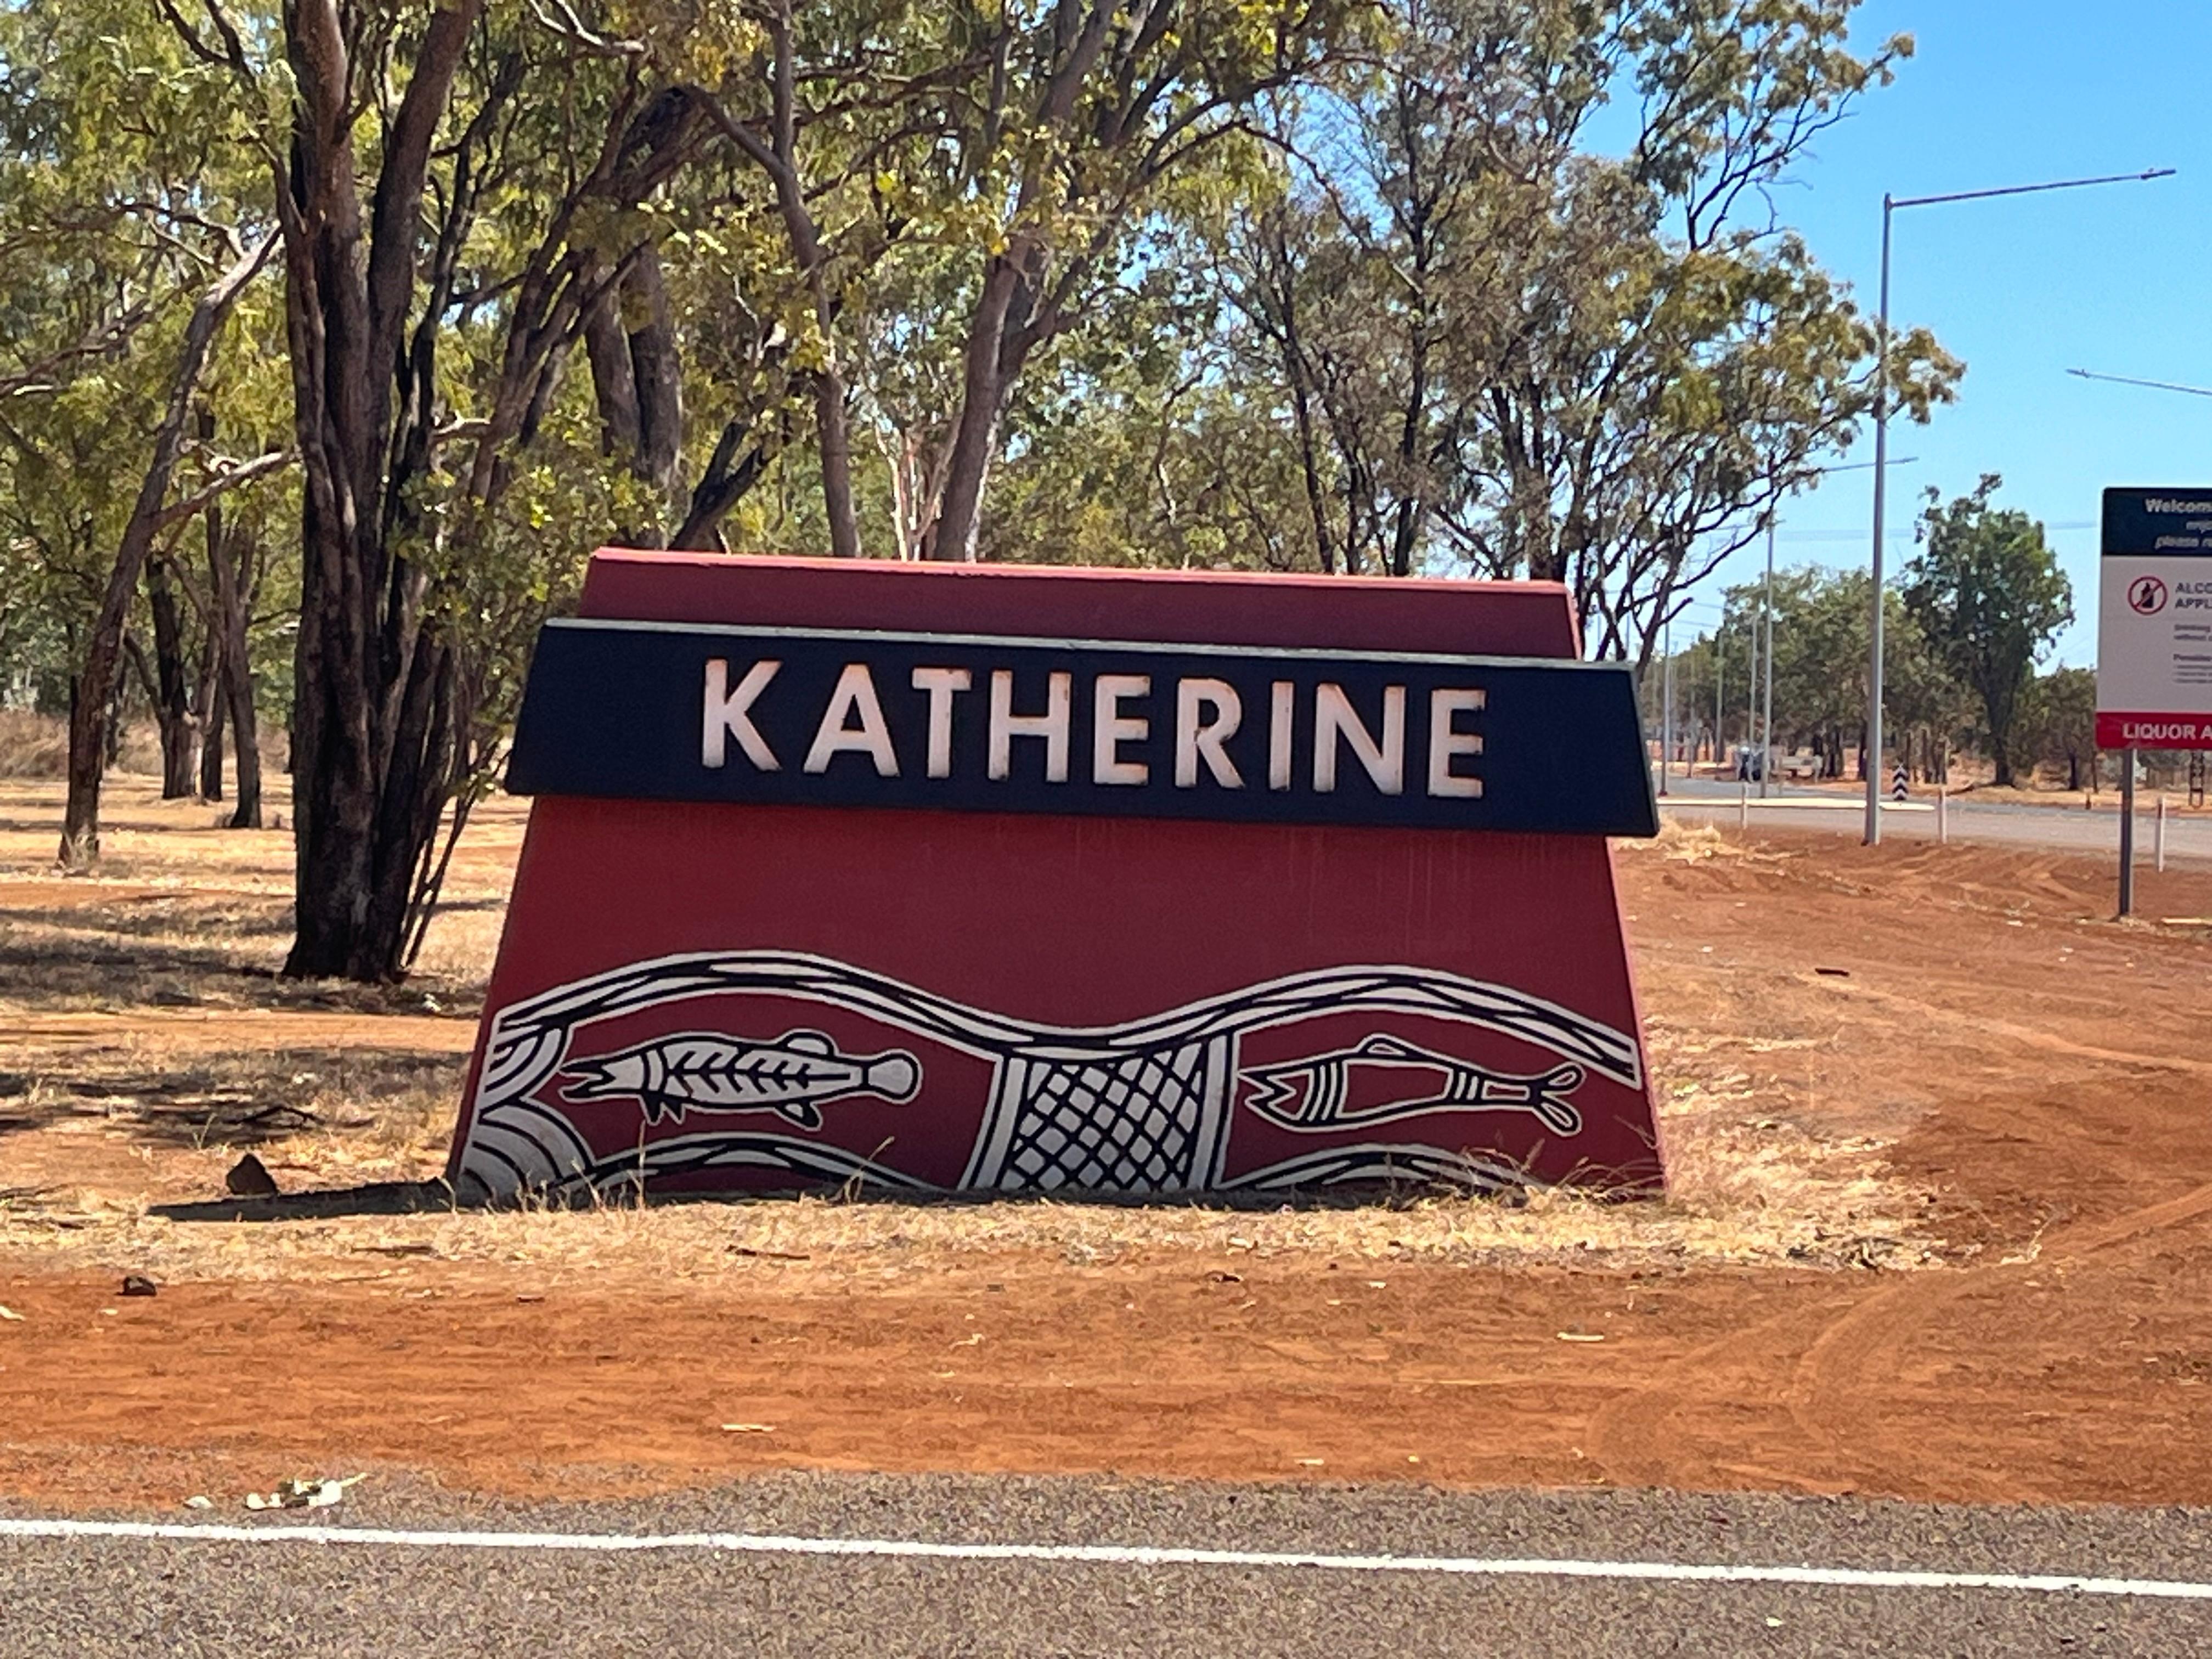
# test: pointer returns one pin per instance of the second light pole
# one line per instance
(1871, 753)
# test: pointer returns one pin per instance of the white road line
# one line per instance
(1112, 1555)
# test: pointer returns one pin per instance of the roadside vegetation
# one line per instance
(334, 336)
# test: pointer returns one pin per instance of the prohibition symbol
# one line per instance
(2147, 596)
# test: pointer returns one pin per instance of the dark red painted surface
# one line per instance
(1065, 922)
(1349, 613)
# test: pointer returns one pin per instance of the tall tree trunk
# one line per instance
(1998, 712)
(210, 707)
(637, 381)
(373, 721)
(95, 681)
(208, 690)
(778, 156)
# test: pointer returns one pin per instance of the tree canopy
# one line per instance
(339, 332)
(1988, 596)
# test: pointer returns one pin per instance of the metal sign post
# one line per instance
(1766, 713)
(2128, 833)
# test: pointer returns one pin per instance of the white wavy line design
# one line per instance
(530, 1039)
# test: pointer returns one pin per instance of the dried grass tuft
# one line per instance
(186, 921)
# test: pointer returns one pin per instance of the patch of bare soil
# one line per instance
(1940, 1219)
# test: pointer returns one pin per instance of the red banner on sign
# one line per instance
(2130, 731)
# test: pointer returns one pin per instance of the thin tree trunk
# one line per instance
(230, 582)
(95, 681)
(211, 728)
(637, 381)
(174, 713)
(207, 691)
(953, 538)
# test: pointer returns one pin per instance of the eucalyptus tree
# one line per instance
(1092, 117)
(1532, 308)
(461, 190)
(1987, 592)
(127, 240)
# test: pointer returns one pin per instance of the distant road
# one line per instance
(2188, 839)
(887, 1567)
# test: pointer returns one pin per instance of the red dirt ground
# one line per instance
(2042, 1072)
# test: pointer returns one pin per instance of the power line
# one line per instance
(2128, 380)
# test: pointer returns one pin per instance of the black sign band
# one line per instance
(823, 717)
(2158, 523)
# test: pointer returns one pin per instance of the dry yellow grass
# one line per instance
(183, 927)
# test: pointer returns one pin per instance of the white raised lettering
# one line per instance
(728, 713)
(1051, 726)
(1444, 743)
(1335, 718)
(855, 694)
(941, 685)
(1111, 728)
(1198, 737)
(1281, 704)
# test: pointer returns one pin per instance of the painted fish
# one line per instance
(704, 1071)
(1310, 1093)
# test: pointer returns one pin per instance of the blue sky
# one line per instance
(2116, 279)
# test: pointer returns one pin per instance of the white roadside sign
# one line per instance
(2155, 620)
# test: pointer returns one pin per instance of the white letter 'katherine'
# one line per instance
(1051, 726)
(1335, 718)
(855, 694)
(1199, 739)
(729, 713)
(1111, 728)
(1445, 742)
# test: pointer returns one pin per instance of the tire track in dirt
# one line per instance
(2030, 1035)
(1833, 1377)
(1629, 1436)
(1823, 1367)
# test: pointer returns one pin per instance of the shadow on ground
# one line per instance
(375, 1198)
(436, 1197)
(251, 1098)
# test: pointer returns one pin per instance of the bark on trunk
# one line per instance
(374, 720)
(630, 340)
(174, 714)
(210, 784)
(735, 467)
(951, 539)
(231, 584)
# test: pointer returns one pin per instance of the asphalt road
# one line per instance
(2188, 840)
(90, 1596)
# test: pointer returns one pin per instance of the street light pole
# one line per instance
(1766, 648)
(1870, 745)
(1870, 752)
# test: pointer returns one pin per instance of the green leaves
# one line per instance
(1987, 590)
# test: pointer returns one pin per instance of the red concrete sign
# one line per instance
(1033, 880)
